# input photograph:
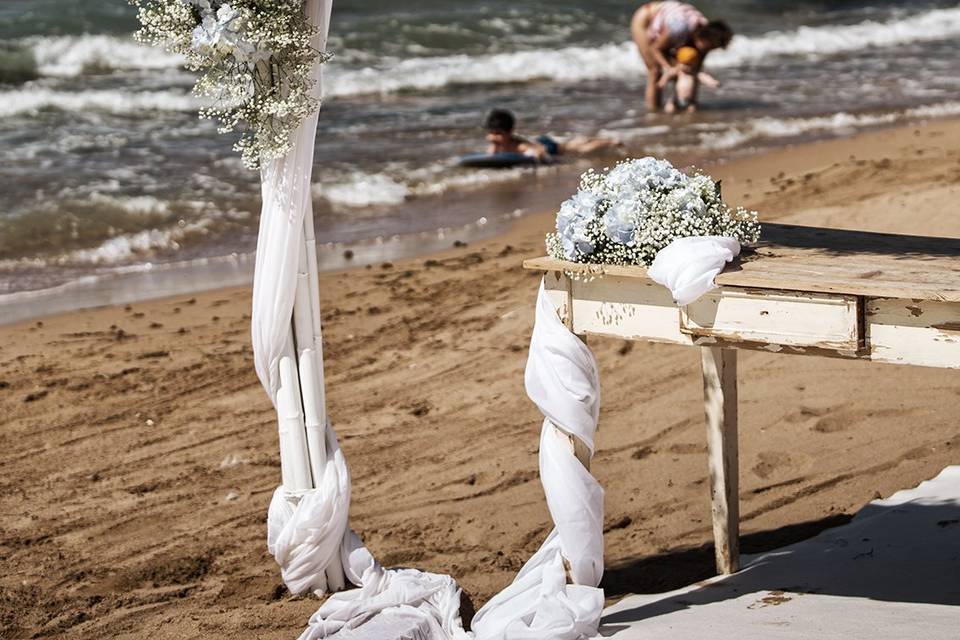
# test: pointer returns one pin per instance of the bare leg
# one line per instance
(582, 145)
(653, 89)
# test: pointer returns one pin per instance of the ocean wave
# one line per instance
(363, 190)
(572, 64)
(139, 206)
(357, 190)
(140, 244)
(32, 99)
(774, 128)
(67, 56)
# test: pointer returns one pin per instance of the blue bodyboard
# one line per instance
(496, 160)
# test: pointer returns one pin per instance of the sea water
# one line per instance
(105, 168)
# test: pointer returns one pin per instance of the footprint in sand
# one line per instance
(770, 462)
(833, 422)
(823, 419)
(687, 448)
(806, 413)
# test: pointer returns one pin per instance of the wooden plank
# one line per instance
(626, 308)
(720, 404)
(914, 332)
(822, 321)
(557, 289)
(822, 260)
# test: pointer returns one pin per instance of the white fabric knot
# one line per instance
(687, 266)
(305, 538)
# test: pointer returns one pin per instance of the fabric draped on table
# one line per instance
(563, 381)
(687, 266)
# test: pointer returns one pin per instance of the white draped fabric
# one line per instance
(687, 266)
(562, 380)
(305, 537)
(555, 595)
(285, 189)
(307, 530)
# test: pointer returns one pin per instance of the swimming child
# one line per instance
(688, 78)
(500, 125)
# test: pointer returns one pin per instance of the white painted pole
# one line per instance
(315, 429)
(310, 242)
(310, 355)
(294, 463)
(306, 320)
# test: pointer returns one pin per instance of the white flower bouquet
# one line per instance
(627, 215)
(254, 57)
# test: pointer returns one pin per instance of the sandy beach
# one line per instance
(139, 451)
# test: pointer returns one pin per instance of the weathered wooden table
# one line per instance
(802, 290)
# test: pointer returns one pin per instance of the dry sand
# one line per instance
(139, 451)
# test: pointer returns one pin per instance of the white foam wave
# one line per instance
(126, 246)
(358, 189)
(134, 205)
(363, 190)
(942, 110)
(33, 99)
(836, 123)
(69, 56)
(73, 55)
(571, 64)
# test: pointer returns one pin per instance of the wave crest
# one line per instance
(621, 60)
(33, 99)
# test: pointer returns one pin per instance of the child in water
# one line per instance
(500, 124)
(688, 77)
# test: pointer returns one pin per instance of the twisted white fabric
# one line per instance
(562, 379)
(687, 266)
(285, 189)
(307, 534)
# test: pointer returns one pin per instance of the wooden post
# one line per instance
(720, 402)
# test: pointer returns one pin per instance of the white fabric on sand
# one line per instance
(562, 379)
(305, 535)
(687, 266)
(308, 533)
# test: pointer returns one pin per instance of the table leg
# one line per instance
(720, 402)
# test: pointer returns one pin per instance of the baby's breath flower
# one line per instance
(255, 62)
(627, 214)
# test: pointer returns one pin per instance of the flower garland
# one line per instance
(255, 60)
(626, 216)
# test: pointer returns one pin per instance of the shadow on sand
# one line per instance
(896, 551)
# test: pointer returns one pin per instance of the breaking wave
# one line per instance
(68, 56)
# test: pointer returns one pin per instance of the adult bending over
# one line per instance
(661, 28)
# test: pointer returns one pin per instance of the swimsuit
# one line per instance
(551, 145)
(680, 20)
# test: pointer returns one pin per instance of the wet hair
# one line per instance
(499, 120)
(716, 32)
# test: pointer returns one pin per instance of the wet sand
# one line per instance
(139, 452)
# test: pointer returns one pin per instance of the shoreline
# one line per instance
(118, 418)
(146, 282)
